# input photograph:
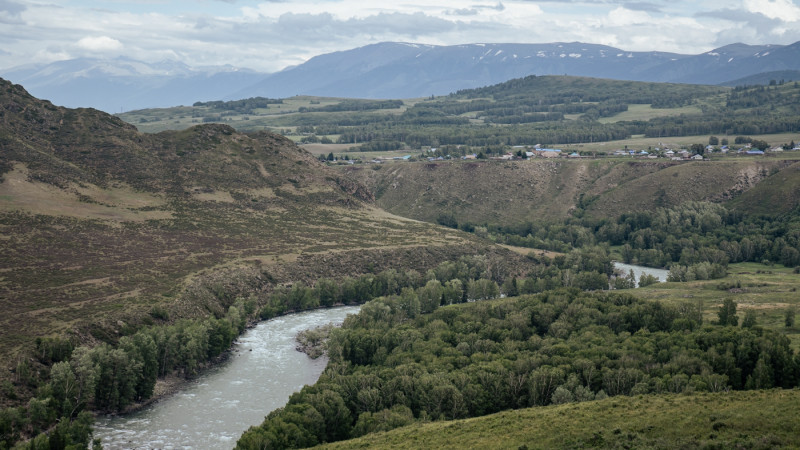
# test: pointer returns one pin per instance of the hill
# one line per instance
(508, 193)
(725, 420)
(103, 225)
(546, 110)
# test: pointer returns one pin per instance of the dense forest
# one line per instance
(681, 237)
(534, 110)
(114, 375)
(390, 367)
(548, 110)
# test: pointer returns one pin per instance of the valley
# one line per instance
(487, 284)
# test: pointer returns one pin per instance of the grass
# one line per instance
(752, 419)
(767, 289)
(646, 112)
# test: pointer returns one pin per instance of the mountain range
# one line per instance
(392, 70)
(123, 84)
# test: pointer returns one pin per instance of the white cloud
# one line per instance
(269, 35)
(784, 10)
(99, 44)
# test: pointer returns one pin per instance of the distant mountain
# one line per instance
(765, 78)
(385, 70)
(401, 70)
(122, 84)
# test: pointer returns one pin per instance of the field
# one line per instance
(647, 112)
(769, 290)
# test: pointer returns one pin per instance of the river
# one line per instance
(212, 411)
(661, 274)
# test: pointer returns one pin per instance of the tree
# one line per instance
(759, 144)
(749, 319)
(430, 296)
(698, 149)
(789, 317)
(727, 313)
(646, 279)
(713, 140)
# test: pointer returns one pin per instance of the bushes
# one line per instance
(700, 271)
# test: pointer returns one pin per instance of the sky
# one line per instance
(271, 35)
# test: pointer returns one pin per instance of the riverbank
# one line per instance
(263, 369)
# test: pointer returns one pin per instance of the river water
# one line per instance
(212, 411)
(661, 274)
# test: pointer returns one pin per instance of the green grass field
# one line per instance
(752, 419)
(769, 290)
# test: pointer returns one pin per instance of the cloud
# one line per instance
(99, 44)
(271, 34)
(642, 6)
(463, 12)
(784, 10)
(10, 12)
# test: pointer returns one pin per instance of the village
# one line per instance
(696, 152)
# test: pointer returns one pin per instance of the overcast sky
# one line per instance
(270, 35)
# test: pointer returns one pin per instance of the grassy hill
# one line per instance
(102, 225)
(752, 419)
(511, 192)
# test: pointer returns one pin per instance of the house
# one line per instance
(574, 155)
(697, 157)
(754, 152)
(669, 153)
(530, 154)
(549, 152)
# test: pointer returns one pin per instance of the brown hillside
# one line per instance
(100, 223)
(517, 191)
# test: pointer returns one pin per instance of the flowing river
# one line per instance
(213, 410)
(661, 274)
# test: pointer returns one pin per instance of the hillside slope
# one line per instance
(101, 223)
(753, 419)
(506, 193)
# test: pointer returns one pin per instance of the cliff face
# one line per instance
(511, 192)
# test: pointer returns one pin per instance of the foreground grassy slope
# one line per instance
(751, 419)
(511, 192)
(101, 223)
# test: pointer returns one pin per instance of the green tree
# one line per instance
(749, 319)
(789, 317)
(646, 279)
(698, 149)
(727, 313)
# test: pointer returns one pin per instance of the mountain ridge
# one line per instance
(386, 70)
